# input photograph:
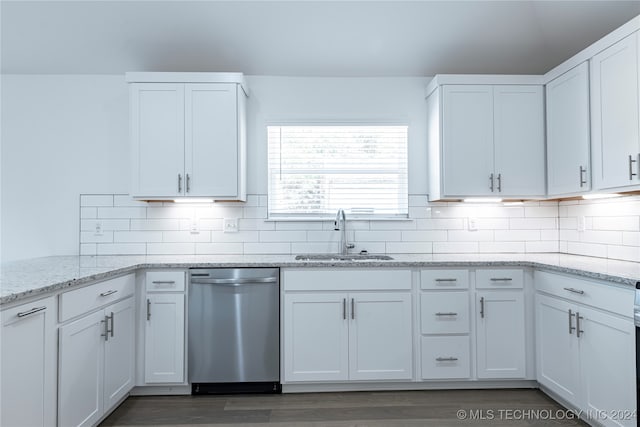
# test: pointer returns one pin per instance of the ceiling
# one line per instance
(302, 38)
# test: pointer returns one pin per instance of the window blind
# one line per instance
(316, 170)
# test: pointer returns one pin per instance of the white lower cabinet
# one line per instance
(347, 336)
(164, 338)
(96, 360)
(28, 365)
(587, 357)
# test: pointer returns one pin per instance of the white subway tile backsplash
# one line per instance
(611, 228)
(408, 248)
(96, 200)
(219, 248)
(502, 247)
(122, 212)
(122, 249)
(283, 236)
(171, 248)
(267, 248)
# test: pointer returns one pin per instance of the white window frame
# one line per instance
(331, 216)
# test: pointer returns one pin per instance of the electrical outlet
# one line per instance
(473, 224)
(582, 223)
(98, 230)
(194, 228)
(230, 225)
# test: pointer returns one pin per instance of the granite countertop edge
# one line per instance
(24, 292)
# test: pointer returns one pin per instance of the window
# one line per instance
(316, 170)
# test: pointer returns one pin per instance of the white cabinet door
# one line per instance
(316, 337)
(518, 117)
(380, 336)
(568, 133)
(119, 352)
(81, 368)
(557, 361)
(211, 140)
(164, 339)
(28, 370)
(607, 357)
(467, 139)
(500, 334)
(614, 113)
(157, 136)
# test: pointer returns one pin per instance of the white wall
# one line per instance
(61, 136)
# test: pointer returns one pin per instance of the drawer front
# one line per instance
(346, 280)
(444, 279)
(581, 290)
(500, 279)
(445, 357)
(165, 281)
(83, 300)
(444, 312)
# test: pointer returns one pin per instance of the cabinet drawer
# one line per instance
(165, 281)
(499, 279)
(444, 279)
(444, 312)
(346, 280)
(584, 291)
(83, 300)
(445, 357)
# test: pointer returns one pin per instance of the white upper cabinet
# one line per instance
(188, 138)
(615, 117)
(485, 140)
(568, 133)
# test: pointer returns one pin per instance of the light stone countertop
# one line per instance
(27, 279)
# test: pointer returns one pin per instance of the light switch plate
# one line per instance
(230, 225)
(473, 224)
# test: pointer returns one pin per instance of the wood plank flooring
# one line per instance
(355, 409)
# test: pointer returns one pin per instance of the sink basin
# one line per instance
(337, 257)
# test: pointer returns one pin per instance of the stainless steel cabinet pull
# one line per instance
(32, 311)
(446, 280)
(188, 183)
(578, 319)
(446, 314)
(571, 327)
(631, 162)
(106, 328)
(234, 282)
(446, 359)
(179, 183)
(482, 307)
(583, 176)
(491, 182)
(148, 309)
(111, 317)
(111, 292)
(575, 291)
(499, 183)
(344, 309)
(501, 279)
(353, 308)
(163, 282)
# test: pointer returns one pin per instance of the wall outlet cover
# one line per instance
(230, 225)
(473, 224)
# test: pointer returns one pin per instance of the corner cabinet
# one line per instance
(585, 345)
(363, 332)
(615, 94)
(485, 139)
(568, 135)
(188, 135)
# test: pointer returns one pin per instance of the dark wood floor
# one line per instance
(443, 408)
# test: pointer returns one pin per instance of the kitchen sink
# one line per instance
(338, 257)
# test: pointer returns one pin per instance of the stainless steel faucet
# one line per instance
(344, 245)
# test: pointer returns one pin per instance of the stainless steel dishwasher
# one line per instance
(234, 330)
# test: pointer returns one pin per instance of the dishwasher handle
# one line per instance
(234, 282)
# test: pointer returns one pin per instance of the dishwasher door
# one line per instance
(234, 330)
